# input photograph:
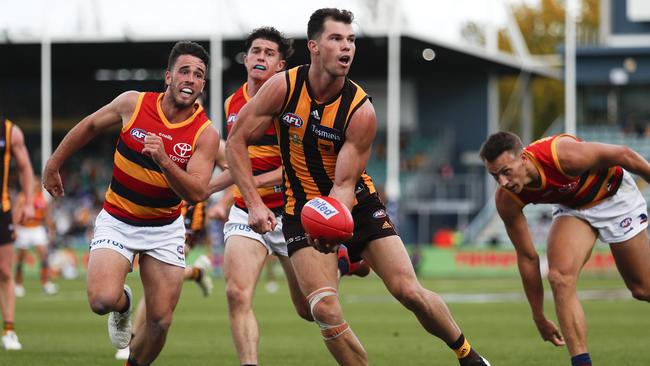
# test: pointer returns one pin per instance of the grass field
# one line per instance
(61, 330)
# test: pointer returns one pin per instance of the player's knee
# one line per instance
(101, 302)
(327, 311)
(409, 295)
(303, 312)
(238, 296)
(159, 322)
(5, 274)
(640, 293)
(561, 281)
(324, 306)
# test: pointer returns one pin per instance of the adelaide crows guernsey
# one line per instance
(264, 154)
(139, 193)
(557, 187)
(311, 135)
(40, 210)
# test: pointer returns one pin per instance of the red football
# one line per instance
(328, 219)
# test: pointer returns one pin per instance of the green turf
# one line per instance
(61, 330)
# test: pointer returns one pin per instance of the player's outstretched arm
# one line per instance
(253, 120)
(221, 209)
(225, 180)
(354, 153)
(516, 225)
(116, 112)
(578, 157)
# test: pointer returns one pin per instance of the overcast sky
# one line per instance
(26, 20)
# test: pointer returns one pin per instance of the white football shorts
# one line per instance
(237, 224)
(617, 218)
(26, 237)
(164, 243)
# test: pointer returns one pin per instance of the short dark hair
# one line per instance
(285, 45)
(187, 48)
(318, 18)
(498, 143)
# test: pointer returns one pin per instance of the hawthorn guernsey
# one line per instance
(327, 218)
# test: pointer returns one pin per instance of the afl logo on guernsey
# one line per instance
(232, 118)
(138, 134)
(292, 120)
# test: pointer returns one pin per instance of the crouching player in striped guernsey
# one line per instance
(165, 153)
(594, 197)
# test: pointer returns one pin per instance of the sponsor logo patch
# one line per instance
(165, 136)
(386, 225)
(296, 239)
(323, 208)
(138, 134)
(643, 218)
(180, 249)
(379, 214)
(183, 149)
(104, 242)
(295, 139)
(292, 120)
(326, 133)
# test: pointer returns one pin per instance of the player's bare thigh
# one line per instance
(388, 257)
(6, 257)
(107, 270)
(633, 262)
(162, 285)
(570, 241)
(314, 270)
(299, 300)
(243, 260)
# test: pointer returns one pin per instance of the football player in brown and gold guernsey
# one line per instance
(325, 125)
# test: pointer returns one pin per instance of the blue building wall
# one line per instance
(623, 26)
(595, 63)
(456, 102)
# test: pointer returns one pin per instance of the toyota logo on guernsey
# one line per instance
(182, 149)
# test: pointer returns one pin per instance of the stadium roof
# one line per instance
(437, 21)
